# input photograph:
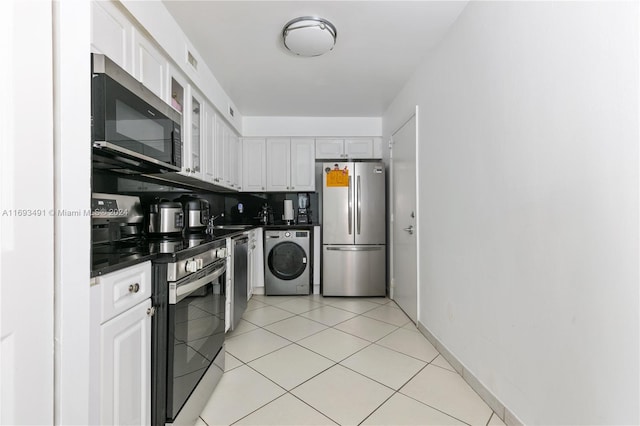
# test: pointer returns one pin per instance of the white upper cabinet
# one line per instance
(278, 164)
(329, 148)
(208, 143)
(149, 65)
(254, 164)
(226, 155)
(358, 148)
(303, 175)
(192, 134)
(218, 150)
(352, 148)
(111, 33)
(235, 161)
(227, 161)
(290, 164)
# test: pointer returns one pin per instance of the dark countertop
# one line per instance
(307, 227)
(101, 265)
(106, 259)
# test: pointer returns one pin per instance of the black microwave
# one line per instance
(133, 130)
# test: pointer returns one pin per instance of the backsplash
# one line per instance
(219, 202)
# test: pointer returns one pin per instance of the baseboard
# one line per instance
(258, 290)
(492, 401)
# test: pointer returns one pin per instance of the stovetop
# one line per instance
(107, 257)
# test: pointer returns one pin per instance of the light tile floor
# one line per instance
(311, 360)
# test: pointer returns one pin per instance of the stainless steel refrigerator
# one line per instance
(353, 229)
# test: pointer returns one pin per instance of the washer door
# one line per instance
(287, 260)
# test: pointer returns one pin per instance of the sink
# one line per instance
(234, 227)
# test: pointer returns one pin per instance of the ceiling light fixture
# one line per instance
(309, 36)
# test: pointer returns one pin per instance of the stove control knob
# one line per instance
(191, 266)
(199, 263)
(221, 253)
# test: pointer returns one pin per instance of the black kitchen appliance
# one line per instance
(133, 130)
(304, 214)
(188, 330)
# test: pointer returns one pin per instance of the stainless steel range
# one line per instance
(188, 330)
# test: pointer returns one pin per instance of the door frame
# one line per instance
(417, 212)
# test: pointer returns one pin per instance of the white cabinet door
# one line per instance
(235, 161)
(193, 136)
(250, 262)
(258, 256)
(218, 158)
(358, 148)
(278, 164)
(303, 172)
(126, 368)
(226, 155)
(149, 66)
(254, 164)
(110, 33)
(329, 149)
(208, 144)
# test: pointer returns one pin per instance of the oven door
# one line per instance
(195, 332)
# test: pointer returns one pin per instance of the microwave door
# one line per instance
(136, 126)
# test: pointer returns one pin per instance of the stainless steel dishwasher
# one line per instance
(239, 247)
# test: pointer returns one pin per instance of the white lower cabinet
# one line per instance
(120, 347)
(126, 368)
(255, 265)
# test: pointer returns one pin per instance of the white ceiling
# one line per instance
(378, 47)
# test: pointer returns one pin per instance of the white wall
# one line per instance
(26, 224)
(311, 126)
(529, 200)
(72, 186)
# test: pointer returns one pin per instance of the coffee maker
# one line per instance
(304, 214)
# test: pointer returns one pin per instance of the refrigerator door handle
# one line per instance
(350, 207)
(352, 248)
(358, 195)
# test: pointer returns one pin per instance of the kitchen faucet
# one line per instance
(210, 224)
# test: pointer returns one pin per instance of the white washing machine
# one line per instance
(286, 262)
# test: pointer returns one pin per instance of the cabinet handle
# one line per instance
(263, 188)
(151, 311)
(188, 170)
(134, 288)
(293, 187)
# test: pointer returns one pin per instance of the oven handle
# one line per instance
(177, 293)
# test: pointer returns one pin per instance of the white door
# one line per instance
(404, 288)
(26, 269)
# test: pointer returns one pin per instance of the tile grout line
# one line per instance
(333, 363)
